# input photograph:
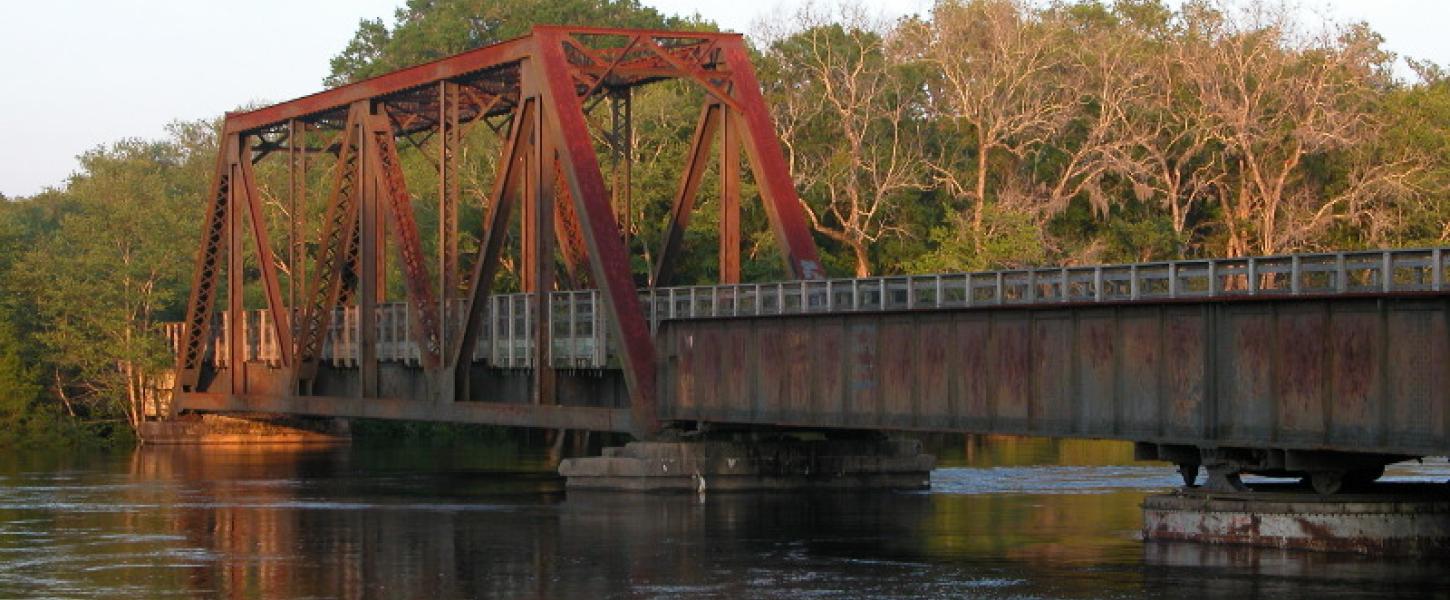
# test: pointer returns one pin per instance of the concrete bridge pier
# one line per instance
(1389, 520)
(754, 461)
(1337, 505)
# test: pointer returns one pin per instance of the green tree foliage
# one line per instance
(426, 30)
(19, 381)
(110, 266)
(850, 120)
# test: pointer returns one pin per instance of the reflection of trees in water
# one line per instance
(970, 450)
(289, 522)
(231, 502)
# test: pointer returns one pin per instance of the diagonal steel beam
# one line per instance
(684, 205)
(611, 269)
(385, 167)
(266, 261)
(337, 252)
(196, 329)
(571, 239)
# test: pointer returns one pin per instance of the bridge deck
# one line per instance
(581, 341)
(1345, 351)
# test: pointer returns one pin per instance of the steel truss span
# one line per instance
(537, 93)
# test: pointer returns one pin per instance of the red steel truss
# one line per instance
(534, 90)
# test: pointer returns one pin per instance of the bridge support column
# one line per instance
(716, 466)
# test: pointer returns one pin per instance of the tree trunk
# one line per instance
(863, 260)
(981, 198)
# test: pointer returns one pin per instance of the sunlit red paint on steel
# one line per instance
(537, 82)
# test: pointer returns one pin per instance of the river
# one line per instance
(1005, 518)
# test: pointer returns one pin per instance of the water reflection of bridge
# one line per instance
(345, 524)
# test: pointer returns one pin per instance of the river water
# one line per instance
(1005, 518)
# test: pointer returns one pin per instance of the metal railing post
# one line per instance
(1387, 273)
(1437, 268)
(1253, 277)
(574, 343)
(1341, 274)
(599, 332)
(1294, 268)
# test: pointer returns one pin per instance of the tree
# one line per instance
(19, 388)
(117, 267)
(426, 30)
(992, 63)
(849, 117)
(1274, 99)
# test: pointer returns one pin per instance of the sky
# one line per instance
(77, 74)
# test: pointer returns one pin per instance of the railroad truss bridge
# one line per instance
(1328, 366)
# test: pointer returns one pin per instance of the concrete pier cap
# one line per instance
(717, 465)
(1393, 520)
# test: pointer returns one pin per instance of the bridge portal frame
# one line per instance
(537, 89)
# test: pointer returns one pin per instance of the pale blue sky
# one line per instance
(75, 74)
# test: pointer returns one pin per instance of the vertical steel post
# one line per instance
(370, 263)
(448, 186)
(621, 112)
(768, 164)
(541, 186)
(297, 207)
(236, 352)
(729, 198)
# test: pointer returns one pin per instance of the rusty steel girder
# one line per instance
(533, 90)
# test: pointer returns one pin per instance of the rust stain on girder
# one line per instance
(1015, 372)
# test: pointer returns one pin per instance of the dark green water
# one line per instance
(1005, 519)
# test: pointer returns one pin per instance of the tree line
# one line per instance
(983, 134)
